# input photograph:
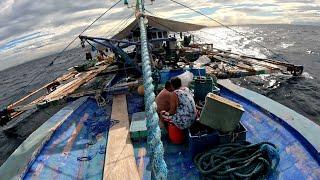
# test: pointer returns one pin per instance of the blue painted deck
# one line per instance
(296, 161)
(75, 138)
(58, 158)
(19, 161)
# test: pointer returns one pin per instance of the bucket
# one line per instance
(176, 135)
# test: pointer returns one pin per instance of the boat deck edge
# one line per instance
(301, 127)
(21, 159)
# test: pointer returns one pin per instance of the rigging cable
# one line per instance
(120, 24)
(59, 55)
(228, 27)
(199, 36)
(154, 14)
(86, 29)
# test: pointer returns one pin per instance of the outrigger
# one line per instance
(109, 128)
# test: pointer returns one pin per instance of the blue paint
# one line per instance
(21, 159)
(166, 75)
(296, 160)
(309, 146)
(135, 103)
(86, 157)
(262, 127)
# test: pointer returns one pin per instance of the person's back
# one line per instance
(163, 98)
(185, 112)
(163, 101)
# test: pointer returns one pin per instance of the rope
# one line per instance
(85, 29)
(119, 25)
(197, 35)
(94, 126)
(100, 100)
(60, 53)
(228, 27)
(240, 160)
(155, 146)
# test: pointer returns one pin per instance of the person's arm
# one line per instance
(173, 103)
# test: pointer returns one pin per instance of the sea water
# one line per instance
(295, 44)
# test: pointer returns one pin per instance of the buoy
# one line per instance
(141, 90)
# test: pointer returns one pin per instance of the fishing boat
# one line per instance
(108, 127)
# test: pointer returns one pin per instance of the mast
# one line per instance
(155, 146)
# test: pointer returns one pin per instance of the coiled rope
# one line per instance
(240, 160)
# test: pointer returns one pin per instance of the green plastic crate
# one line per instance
(202, 86)
(220, 113)
(138, 129)
(138, 126)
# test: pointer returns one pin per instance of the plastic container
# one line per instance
(221, 113)
(239, 134)
(176, 135)
(202, 86)
(138, 126)
(200, 142)
(186, 78)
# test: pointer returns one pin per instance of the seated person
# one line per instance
(163, 98)
(182, 105)
(101, 56)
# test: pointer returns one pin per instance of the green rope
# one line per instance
(240, 160)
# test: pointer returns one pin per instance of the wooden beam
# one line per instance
(242, 66)
(119, 160)
(70, 87)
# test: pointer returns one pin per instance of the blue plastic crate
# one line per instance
(199, 143)
(239, 134)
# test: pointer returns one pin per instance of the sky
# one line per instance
(30, 29)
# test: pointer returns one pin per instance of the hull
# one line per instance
(60, 148)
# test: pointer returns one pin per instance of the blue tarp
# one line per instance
(77, 148)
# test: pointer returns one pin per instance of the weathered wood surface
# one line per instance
(64, 77)
(120, 161)
(71, 86)
(63, 90)
(242, 66)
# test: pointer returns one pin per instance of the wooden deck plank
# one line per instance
(120, 161)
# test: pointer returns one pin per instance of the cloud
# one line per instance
(30, 29)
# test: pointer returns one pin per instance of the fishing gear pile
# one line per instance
(240, 160)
